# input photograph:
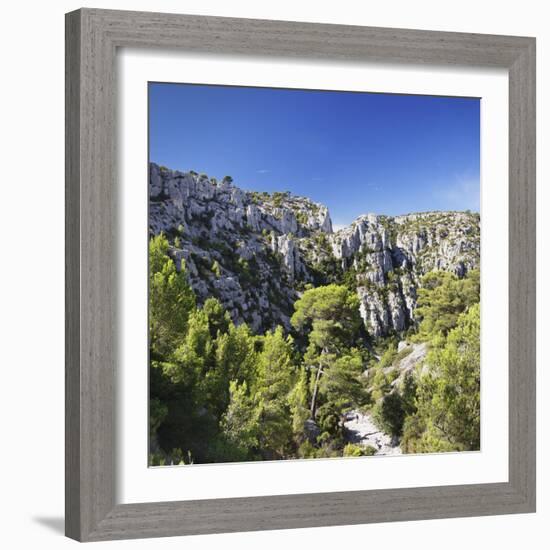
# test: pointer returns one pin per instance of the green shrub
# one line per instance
(216, 269)
(352, 449)
(389, 414)
(302, 218)
(156, 459)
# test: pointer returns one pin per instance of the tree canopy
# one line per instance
(448, 393)
(219, 392)
(442, 298)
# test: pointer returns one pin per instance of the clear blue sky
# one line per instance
(354, 152)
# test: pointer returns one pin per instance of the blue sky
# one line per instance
(354, 152)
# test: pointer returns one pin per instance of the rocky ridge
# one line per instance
(256, 252)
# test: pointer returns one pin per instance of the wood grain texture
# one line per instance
(522, 274)
(72, 276)
(90, 278)
(92, 37)
(225, 35)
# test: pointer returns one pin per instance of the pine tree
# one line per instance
(299, 409)
(275, 378)
(218, 318)
(442, 298)
(195, 355)
(329, 315)
(448, 393)
(240, 424)
(170, 300)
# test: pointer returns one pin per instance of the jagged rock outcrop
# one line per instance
(290, 256)
(256, 252)
(409, 356)
(238, 246)
(389, 256)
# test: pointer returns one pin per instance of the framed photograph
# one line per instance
(300, 275)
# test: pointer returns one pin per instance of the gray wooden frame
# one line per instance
(92, 39)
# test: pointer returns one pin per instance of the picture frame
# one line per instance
(92, 39)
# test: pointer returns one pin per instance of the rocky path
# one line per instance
(361, 430)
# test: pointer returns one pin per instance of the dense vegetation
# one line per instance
(220, 393)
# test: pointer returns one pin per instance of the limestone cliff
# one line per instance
(256, 252)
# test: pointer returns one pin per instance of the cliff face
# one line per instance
(389, 255)
(257, 252)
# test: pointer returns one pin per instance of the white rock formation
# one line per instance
(269, 246)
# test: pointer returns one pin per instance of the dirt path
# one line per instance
(361, 430)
